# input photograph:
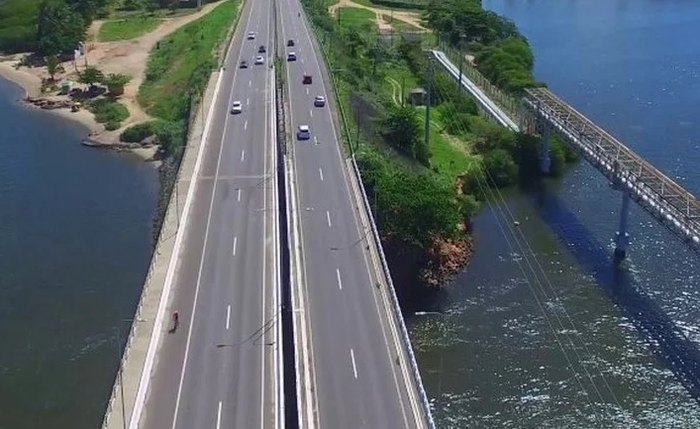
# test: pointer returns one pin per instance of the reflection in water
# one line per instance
(585, 344)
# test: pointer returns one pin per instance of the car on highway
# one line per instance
(319, 101)
(303, 133)
(237, 107)
(259, 60)
(261, 49)
(290, 42)
(244, 64)
(306, 80)
(291, 56)
(251, 35)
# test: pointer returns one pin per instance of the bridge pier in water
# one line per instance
(621, 237)
(545, 160)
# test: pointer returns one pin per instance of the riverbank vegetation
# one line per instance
(179, 68)
(56, 27)
(500, 52)
(423, 190)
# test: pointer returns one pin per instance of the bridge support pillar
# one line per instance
(545, 160)
(621, 237)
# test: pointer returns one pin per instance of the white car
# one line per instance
(259, 60)
(236, 107)
(304, 133)
(319, 101)
(291, 56)
(251, 35)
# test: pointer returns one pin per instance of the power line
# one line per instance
(486, 188)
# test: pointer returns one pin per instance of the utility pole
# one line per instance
(121, 378)
(403, 91)
(428, 102)
(461, 59)
(357, 132)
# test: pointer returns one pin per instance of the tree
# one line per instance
(500, 167)
(88, 9)
(59, 28)
(115, 83)
(53, 66)
(402, 130)
(90, 76)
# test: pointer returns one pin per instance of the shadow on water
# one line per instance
(656, 328)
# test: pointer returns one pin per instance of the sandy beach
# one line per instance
(31, 84)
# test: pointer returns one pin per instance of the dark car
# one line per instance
(290, 42)
(261, 49)
(244, 64)
(307, 79)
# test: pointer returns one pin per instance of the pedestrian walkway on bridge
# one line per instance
(543, 113)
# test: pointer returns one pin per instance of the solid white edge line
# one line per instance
(354, 366)
(264, 255)
(303, 366)
(278, 367)
(145, 378)
(228, 316)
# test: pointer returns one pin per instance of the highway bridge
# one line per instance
(544, 113)
(262, 204)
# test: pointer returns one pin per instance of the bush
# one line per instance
(500, 168)
(108, 110)
(171, 136)
(112, 125)
(137, 133)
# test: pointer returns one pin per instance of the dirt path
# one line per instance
(411, 18)
(130, 57)
(124, 56)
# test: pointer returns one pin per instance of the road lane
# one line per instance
(209, 373)
(344, 307)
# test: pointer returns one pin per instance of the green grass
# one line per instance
(183, 63)
(128, 28)
(450, 157)
(354, 16)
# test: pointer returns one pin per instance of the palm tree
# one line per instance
(115, 83)
(53, 66)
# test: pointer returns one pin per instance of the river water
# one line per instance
(75, 231)
(580, 343)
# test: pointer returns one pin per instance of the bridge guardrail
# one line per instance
(499, 115)
(162, 238)
(397, 314)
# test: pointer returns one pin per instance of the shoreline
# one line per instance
(30, 84)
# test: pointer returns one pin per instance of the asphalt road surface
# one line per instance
(357, 376)
(218, 369)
